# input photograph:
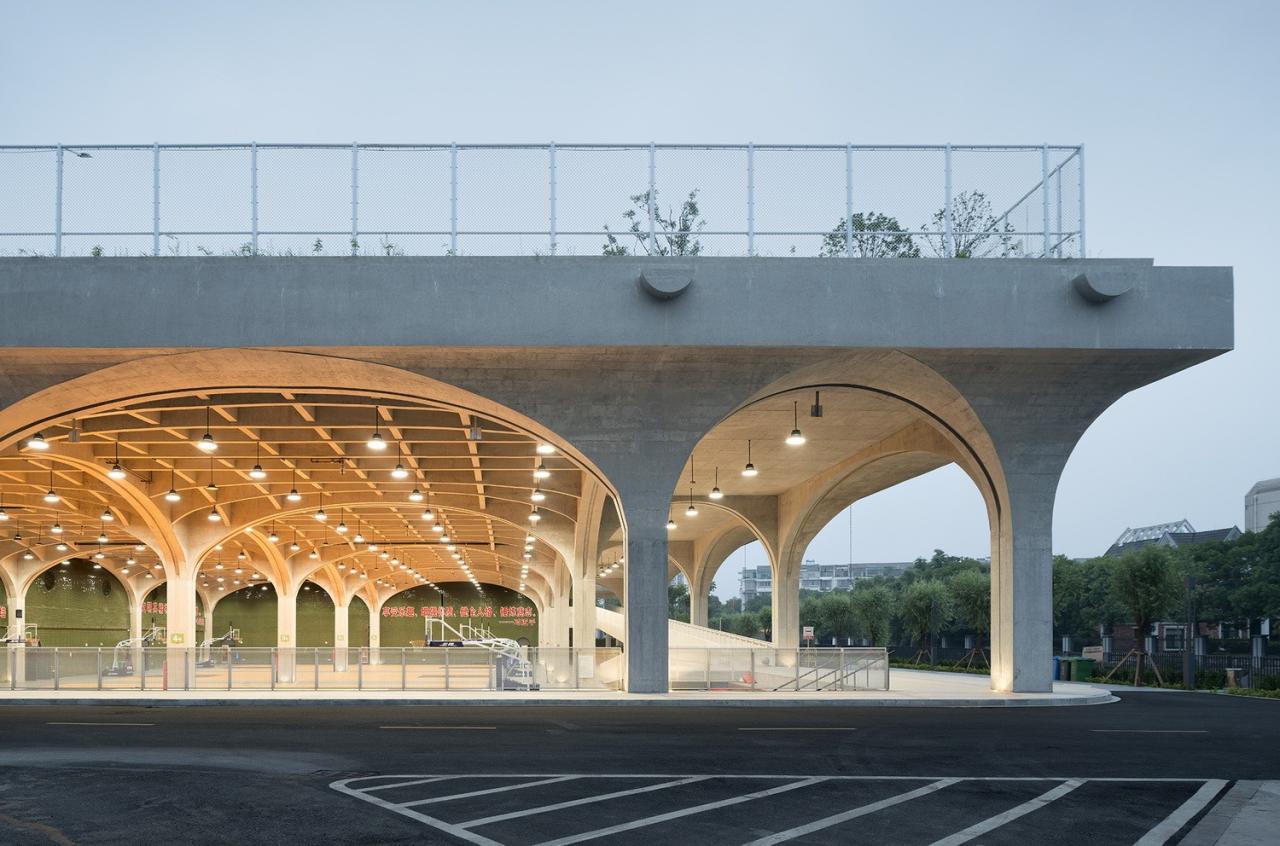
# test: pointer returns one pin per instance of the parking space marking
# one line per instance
(1207, 792)
(404, 783)
(683, 812)
(573, 803)
(991, 823)
(453, 796)
(845, 816)
(1182, 814)
(55, 723)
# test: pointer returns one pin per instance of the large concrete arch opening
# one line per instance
(352, 478)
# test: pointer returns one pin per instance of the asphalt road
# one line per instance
(253, 774)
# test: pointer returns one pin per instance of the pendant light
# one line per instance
(750, 470)
(545, 448)
(214, 516)
(56, 529)
(52, 496)
(716, 493)
(376, 442)
(257, 472)
(313, 554)
(212, 487)
(534, 516)
(341, 528)
(399, 472)
(795, 438)
(294, 496)
(293, 547)
(108, 517)
(415, 495)
(537, 495)
(541, 471)
(37, 442)
(4, 515)
(206, 442)
(117, 471)
(692, 510)
(671, 524)
(359, 538)
(273, 537)
(172, 495)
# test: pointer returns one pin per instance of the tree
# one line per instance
(875, 235)
(872, 608)
(836, 614)
(975, 231)
(1144, 582)
(675, 234)
(747, 625)
(678, 601)
(926, 608)
(971, 591)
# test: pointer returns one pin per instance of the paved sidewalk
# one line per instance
(909, 688)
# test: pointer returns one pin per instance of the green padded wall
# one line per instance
(155, 611)
(76, 605)
(358, 623)
(252, 610)
(315, 617)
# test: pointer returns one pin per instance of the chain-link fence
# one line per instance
(847, 200)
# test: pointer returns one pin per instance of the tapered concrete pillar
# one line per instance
(375, 633)
(645, 602)
(697, 604)
(17, 640)
(1022, 586)
(135, 632)
(584, 612)
(286, 635)
(180, 623)
(341, 636)
(786, 606)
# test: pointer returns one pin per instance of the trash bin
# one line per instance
(1082, 669)
(1057, 668)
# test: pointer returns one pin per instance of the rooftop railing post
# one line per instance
(453, 199)
(155, 199)
(1044, 199)
(653, 187)
(848, 200)
(57, 206)
(552, 201)
(355, 198)
(315, 665)
(253, 197)
(947, 234)
(57, 681)
(1080, 200)
(99, 668)
(751, 199)
(229, 662)
(1057, 219)
(404, 668)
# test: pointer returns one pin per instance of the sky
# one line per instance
(1177, 103)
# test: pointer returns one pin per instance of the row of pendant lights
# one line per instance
(795, 438)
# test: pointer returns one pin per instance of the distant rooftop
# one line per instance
(1174, 535)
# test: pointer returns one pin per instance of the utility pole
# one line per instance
(1189, 640)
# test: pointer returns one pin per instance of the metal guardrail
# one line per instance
(427, 669)
(841, 200)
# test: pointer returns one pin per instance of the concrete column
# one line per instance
(699, 587)
(375, 633)
(341, 639)
(584, 623)
(645, 603)
(286, 634)
(17, 640)
(180, 598)
(1022, 586)
(135, 632)
(786, 606)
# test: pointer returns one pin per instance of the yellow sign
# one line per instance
(177, 637)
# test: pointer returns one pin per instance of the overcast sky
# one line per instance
(1176, 101)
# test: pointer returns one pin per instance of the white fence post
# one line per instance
(552, 185)
(1080, 201)
(1044, 199)
(751, 199)
(253, 198)
(453, 199)
(355, 198)
(57, 207)
(653, 187)
(848, 201)
(155, 199)
(948, 235)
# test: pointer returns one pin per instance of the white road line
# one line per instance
(402, 784)
(440, 825)
(439, 728)
(798, 728)
(684, 812)
(98, 724)
(1149, 731)
(861, 811)
(487, 792)
(980, 828)
(1182, 814)
(786, 776)
(559, 806)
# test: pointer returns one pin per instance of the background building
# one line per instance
(1181, 533)
(758, 580)
(1260, 503)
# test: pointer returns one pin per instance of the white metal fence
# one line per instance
(428, 669)
(843, 200)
